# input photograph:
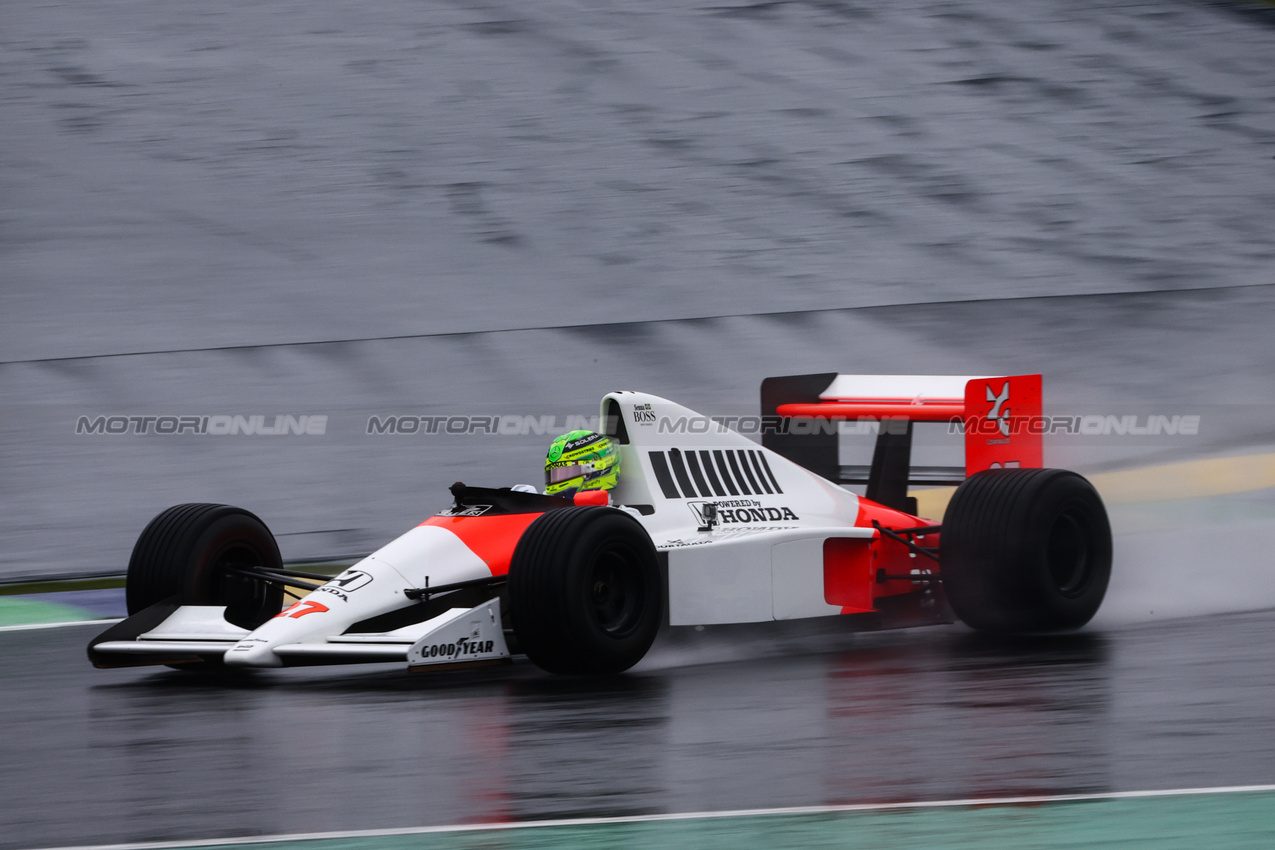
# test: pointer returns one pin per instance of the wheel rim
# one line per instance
(615, 592)
(247, 600)
(1068, 555)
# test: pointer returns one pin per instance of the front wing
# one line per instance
(168, 634)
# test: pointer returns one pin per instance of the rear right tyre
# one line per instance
(1025, 550)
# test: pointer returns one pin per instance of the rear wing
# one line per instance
(1000, 416)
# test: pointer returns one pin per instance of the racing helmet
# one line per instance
(581, 460)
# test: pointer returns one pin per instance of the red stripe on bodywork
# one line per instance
(846, 566)
(492, 538)
(847, 574)
(889, 517)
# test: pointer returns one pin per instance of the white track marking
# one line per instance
(678, 816)
(27, 627)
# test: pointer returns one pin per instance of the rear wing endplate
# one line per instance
(999, 416)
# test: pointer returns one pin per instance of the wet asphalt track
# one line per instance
(715, 722)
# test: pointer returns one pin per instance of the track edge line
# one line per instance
(974, 802)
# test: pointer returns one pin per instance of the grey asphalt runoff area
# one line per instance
(186, 175)
(499, 208)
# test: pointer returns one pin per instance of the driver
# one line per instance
(581, 460)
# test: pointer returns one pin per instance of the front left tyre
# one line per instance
(585, 594)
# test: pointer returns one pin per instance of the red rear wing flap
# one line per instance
(1003, 423)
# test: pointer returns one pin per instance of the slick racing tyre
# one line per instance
(1025, 550)
(584, 589)
(188, 554)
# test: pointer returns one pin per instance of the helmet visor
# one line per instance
(557, 474)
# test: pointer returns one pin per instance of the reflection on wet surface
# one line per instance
(927, 714)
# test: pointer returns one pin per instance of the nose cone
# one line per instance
(252, 652)
(371, 587)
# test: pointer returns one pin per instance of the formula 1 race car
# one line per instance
(704, 526)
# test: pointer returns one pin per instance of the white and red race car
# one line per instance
(705, 526)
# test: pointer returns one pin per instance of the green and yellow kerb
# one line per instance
(581, 460)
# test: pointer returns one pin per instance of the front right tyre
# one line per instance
(191, 554)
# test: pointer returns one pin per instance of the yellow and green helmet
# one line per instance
(581, 460)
